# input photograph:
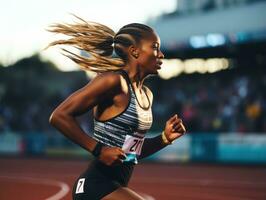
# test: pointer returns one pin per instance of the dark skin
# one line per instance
(108, 95)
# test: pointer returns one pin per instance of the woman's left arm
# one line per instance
(174, 129)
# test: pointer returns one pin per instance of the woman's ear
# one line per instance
(134, 51)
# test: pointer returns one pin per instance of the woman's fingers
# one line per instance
(174, 136)
(122, 156)
(183, 128)
(112, 156)
(179, 128)
(176, 127)
(117, 162)
(176, 123)
(119, 159)
(172, 119)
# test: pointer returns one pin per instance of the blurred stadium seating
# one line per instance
(219, 109)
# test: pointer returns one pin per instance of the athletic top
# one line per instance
(126, 130)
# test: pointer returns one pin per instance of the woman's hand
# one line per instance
(174, 128)
(112, 155)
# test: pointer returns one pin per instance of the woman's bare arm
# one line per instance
(64, 116)
(174, 129)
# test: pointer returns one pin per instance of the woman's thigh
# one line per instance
(123, 193)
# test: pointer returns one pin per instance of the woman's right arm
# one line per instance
(64, 116)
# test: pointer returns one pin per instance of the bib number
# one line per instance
(133, 145)
(80, 186)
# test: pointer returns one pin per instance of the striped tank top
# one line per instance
(126, 130)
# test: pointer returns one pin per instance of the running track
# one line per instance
(42, 179)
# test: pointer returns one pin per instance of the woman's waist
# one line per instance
(131, 144)
(120, 172)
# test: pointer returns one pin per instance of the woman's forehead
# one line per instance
(152, 37)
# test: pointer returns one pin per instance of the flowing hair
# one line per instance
(99, 42)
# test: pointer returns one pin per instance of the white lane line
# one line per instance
(61, 193)
(41, 175)
(64, 188)
(169, 180)
(146, 196)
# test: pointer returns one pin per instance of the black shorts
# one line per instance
(100, 180)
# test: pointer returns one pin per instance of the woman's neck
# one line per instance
(136, 76)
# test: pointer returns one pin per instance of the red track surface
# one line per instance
(40, 179)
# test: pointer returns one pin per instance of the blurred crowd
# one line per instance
(228, 101)
(30, 90)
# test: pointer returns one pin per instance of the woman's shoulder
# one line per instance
(107, 82)
(108, 78)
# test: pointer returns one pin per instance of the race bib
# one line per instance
(132, 147)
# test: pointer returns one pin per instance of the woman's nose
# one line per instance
(161, 55)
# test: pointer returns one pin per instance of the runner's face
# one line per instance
(150, 55)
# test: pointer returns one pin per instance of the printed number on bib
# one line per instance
(133, 145)
(80, 186)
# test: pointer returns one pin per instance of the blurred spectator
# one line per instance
(227, 101)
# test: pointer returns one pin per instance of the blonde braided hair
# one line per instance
(99, 41)
(93, 38)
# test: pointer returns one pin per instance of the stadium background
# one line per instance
(213, 76)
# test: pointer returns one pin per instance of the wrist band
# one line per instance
(164, 138)
(97, 150)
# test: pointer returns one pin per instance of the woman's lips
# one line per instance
(158, 65)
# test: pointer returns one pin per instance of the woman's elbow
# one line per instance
(54, 118)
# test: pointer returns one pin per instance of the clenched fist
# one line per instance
(112, 155)
(174, 128)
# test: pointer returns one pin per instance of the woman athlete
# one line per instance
(121, 105)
